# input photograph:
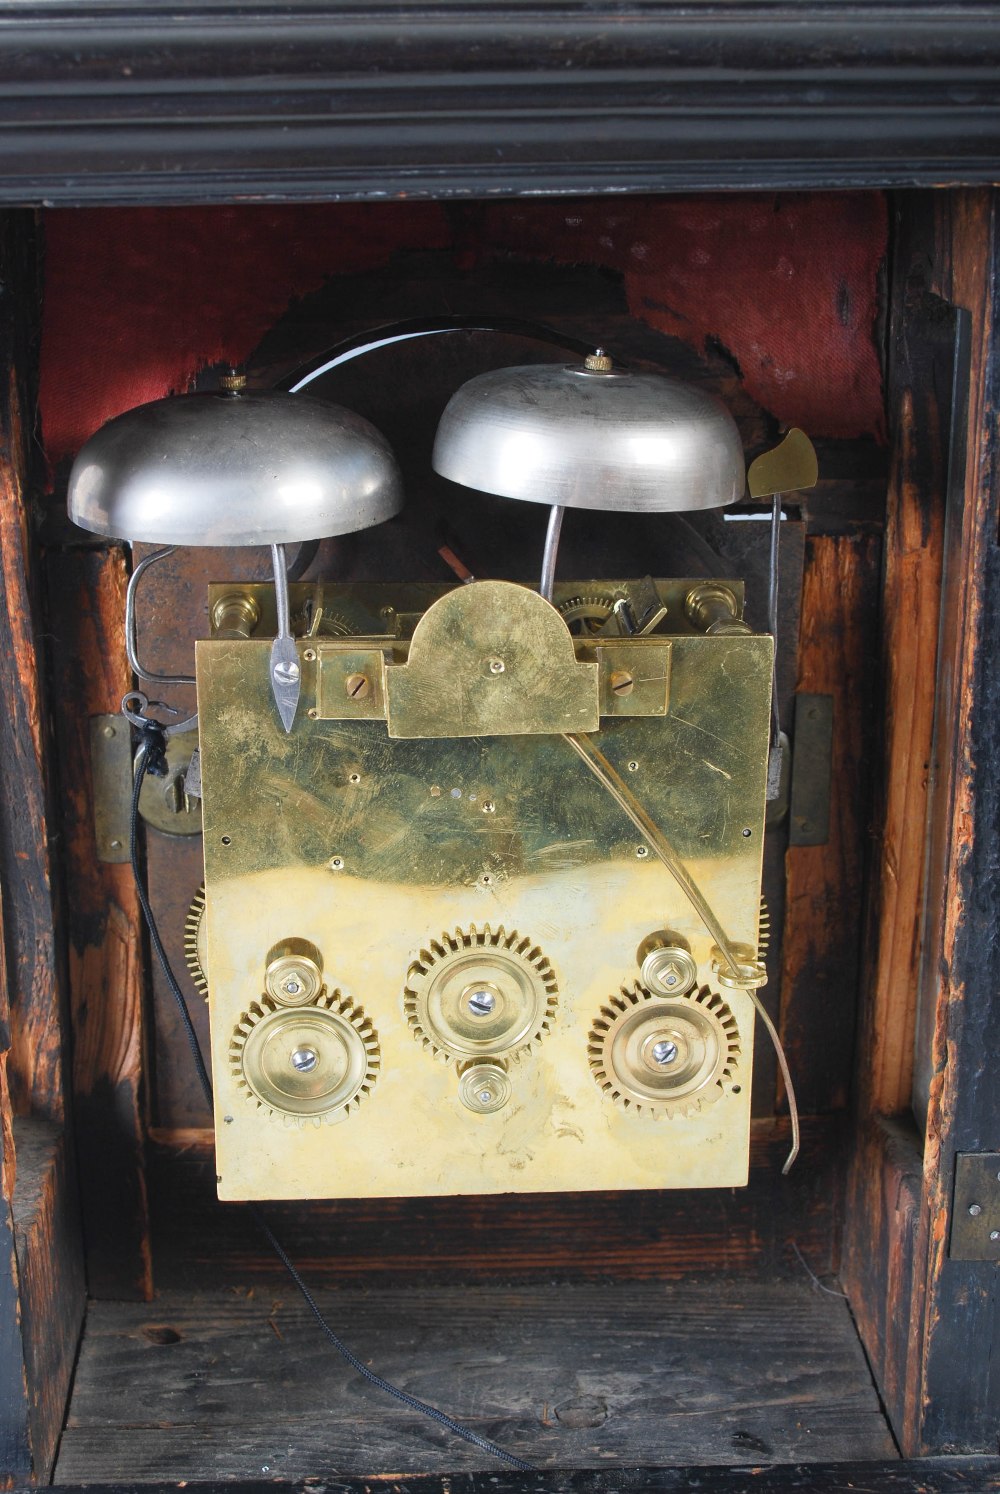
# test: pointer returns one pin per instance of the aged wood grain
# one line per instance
(926, 1476)
(242, 1383)
(41, 1285)
(823, 898)
(651, 1236)
(52, 1290)
(15, 1438)
(86, 592)
(961, 1312)
(884, 1217)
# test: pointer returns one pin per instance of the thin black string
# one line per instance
(148, 754)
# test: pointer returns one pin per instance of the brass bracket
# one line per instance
(975, 1219)
(111, 775)
(490, 659)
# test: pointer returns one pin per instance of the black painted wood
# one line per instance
(930, 1476)
(239, 1383)
(118, 101)
(962, 1411)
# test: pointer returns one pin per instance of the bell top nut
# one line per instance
(666, 964)
(294, 973)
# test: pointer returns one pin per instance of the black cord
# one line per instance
(147, 758)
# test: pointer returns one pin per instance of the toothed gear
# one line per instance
(335, 625)
(656, 1056)
(195, 942)
(307, 1063)
(587, 612)
(763, 929)
(480, 994)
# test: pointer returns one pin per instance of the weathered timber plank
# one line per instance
(884, 1213)
(51, 1279)
(86, 602)
(15, 1439)
(632, 1235)
(36, 1065)
(822, 933)
(928, 1476)
(41, 1288)
(243, 1383)
(961, 1313)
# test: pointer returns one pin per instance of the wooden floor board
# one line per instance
(240, 1383)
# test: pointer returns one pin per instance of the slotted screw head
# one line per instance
(304, 1060)
(664, 1052)
(482, 1003)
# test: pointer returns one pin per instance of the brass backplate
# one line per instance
(379, 850)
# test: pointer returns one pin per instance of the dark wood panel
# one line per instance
(928, 1476)
(86, 605)
(50, 1268)
(823, 896)
(241, 1382)
(36, 1064)
(15, 1436)
(41, 1287)
(933, 1339)
(112, 102)
(885, 1219)
(657, 1236)
(962, 1313)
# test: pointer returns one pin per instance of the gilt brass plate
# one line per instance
(369, 847)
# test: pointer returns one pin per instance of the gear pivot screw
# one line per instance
(304, 1060)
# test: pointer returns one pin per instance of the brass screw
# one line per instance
(621, 682)
(309, 654)
(357, 686)
(489, 807)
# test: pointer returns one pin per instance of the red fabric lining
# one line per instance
(137, 300)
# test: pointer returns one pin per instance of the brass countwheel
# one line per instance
(584, 615)
(195, 942)
(480, 994)
(664, 1057)
(313, 1062)
(763, 929)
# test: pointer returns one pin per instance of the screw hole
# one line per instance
(641, 852)
(747, 833)
(227, 840)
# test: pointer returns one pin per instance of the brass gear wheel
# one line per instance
(479, 994)
(662, 1056)
(763, 929)
(195, 942)
(585, 614)
(305, 1063)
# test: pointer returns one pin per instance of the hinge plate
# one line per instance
(975, 1221)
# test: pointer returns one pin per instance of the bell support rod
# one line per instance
(286, 674)
(551, 551)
